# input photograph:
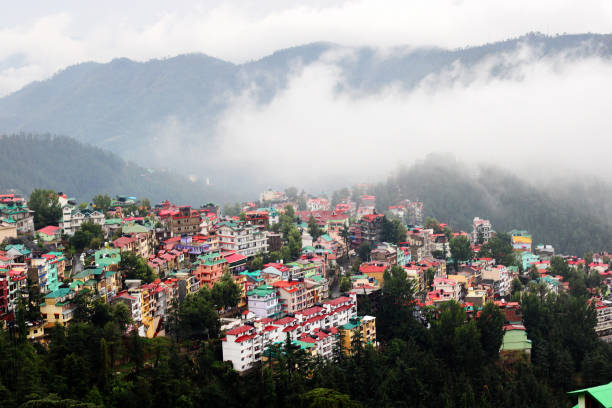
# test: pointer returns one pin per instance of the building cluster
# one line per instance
(283, 301)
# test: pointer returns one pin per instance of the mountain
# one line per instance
(164, 112)
(82, 171)
(575, 216)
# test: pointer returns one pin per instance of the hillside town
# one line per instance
(302, 269)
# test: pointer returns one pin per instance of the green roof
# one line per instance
(76, 284)
(112, 221)
(602, 393)
(262, 291)
(326, 237)
(61, 292)
(515, 340)
(134, 228)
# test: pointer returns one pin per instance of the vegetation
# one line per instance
(134, 267)
(571, 214)
(46, 207)
(89, 236)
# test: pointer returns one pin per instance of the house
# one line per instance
(58, 307)
(515, 342)
(264, 302)
(499, 278)
(603, 328)
(384, 253)
(481, 231)
(312, 328)
(49, 233)
(594, 397)
(521, 240)
(362, 326)
(242, 238)
(73, 218)
(374, 270)
(184, 221)
(292, 295)
(447, 288)
(133, 304)
(13, 282)
(107, 257)
(209, 268)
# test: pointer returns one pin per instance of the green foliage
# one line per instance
(345, 284)
(101, 202)
(196, 317)
(499, 247)
(89, 236)
(134, 267)
(326, 398)
(364, 251)
(393, 231)
(46, 207)
(226, 293)
(313, 229)
(461, 250)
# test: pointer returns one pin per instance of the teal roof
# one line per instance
(61, 292)
(515, 340)
(262, 291)
(602, 393)
(112, 221)
(326, 237)
(19, 247)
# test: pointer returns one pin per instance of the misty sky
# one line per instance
(512, 121)
(37, 38)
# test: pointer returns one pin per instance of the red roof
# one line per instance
(49, 230)
(239, 330)
(234, 258)
(244, 338)
(337, 301)
(285, 320)
(310, 311)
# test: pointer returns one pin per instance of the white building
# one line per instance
(72, 218)
(481, 229)
(244, 346)
(263, 301)
(244, 239)
(500, 278)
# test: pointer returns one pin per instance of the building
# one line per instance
(603, 328)
(8, 229)
(264, 302)
(481, 231)
(447, 289)
(272, 196)
(58, 307)
(521, 240)
(73, 218)
(545, 252)
(246, 345)
(14, 210)
(362, 327)
(209, 268)
(49, 234)
(499, 278)
(594, 397)
(133, 303)
(242, 238)
(515, 342)
(184, 221)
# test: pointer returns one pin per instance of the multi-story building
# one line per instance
(13, 282)
(133, 303)
(73, 218)
(447, 288)
(185, 221)
(521, 240)
(603, 328)
(362, 326)
(58, 307)
(209, 268)
(245, 345)
(481, 231)
(263, 301)
(499, 278)
(14, 210)
(242, 238)
(292, 295)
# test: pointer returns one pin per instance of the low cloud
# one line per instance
(544, 114)
(55, 35)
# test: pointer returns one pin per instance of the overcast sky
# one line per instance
(37, 38)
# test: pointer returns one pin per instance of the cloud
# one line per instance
(543, 115)
(240, 30)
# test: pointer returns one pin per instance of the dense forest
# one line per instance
(574, 216)
(82, 171)
(454, 363)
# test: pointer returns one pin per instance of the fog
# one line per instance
(38, 38)
(543, 116)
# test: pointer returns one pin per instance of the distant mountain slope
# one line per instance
(573, 216)
(82, 171)
(152, 112)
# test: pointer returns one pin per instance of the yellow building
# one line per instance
(58, 307)
(363, 326)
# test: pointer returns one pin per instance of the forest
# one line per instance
(574, 215)
(95, 362)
